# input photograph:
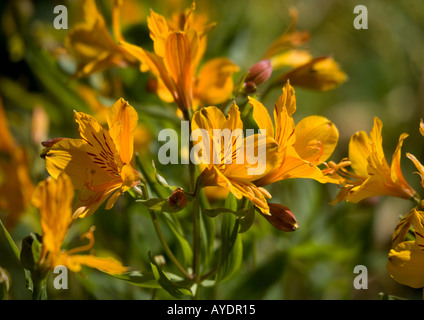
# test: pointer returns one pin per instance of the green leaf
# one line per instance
(173, 288)
(143, 279)
(12, 244)
(231, 251)
(161, 180)
(216, 211)
(247, 220)
(185, 246)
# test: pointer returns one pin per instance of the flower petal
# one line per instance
(316, 139)
(54, 199)
(126, 117)
(261, 117)
(406, 264)
(214, 82)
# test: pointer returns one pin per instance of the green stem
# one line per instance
(162, 238)
(196, 239)
(39, 287)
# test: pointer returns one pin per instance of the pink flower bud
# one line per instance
(259, 72)
(281, 217)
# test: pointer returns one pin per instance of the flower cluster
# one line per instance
(90, 173)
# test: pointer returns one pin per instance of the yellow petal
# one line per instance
(215, 83)
(396, 172)
(406, 264)
(321, 73)
(70, 156)
(418, 224)
(54, 199)
(261, 117)
(422, 127)
(6, 142)
(418, 165)
(291, 58)
(286, 99)
(151, 62)
(233, 120)
(316, 139)
(108, 265)
(291, 166)
(178, 63)
(123, 114)
(359, 151)
(402, 228)
(159, 31)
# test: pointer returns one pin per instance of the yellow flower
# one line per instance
(320, 73)
(406, 258)
(179, 46)
(372, 175)
(226, 169)
(99, 164)
(92, 45)
(54, 199)
(15, 182)
(301, 148)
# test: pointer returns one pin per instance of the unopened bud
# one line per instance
(281, 217)
(30, 251)
(51, 142)
(250, 87)
(259, 72)
(177, 199)
(322, 73)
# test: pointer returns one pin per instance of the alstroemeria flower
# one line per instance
(15, 182)
(90, 42)
(406, 258)
(372, 175)
(54, 200)
(99, 164)
(301, 148)
(179, 46)
(222, 166)
(321, 73)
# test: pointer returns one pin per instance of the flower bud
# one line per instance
(177, 199)
(51, 142)
(322, 73)
(259, 72)
(31, 251)
(281, 217)
(250, 87)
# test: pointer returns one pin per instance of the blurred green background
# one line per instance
(385, 66)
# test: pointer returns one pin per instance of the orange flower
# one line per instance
(99, 164)
(222, 166)
(372, 175)
(301, 148)
(92, 45)
(179, 46)
(321, 73)
(54, 199)
(15, 182)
